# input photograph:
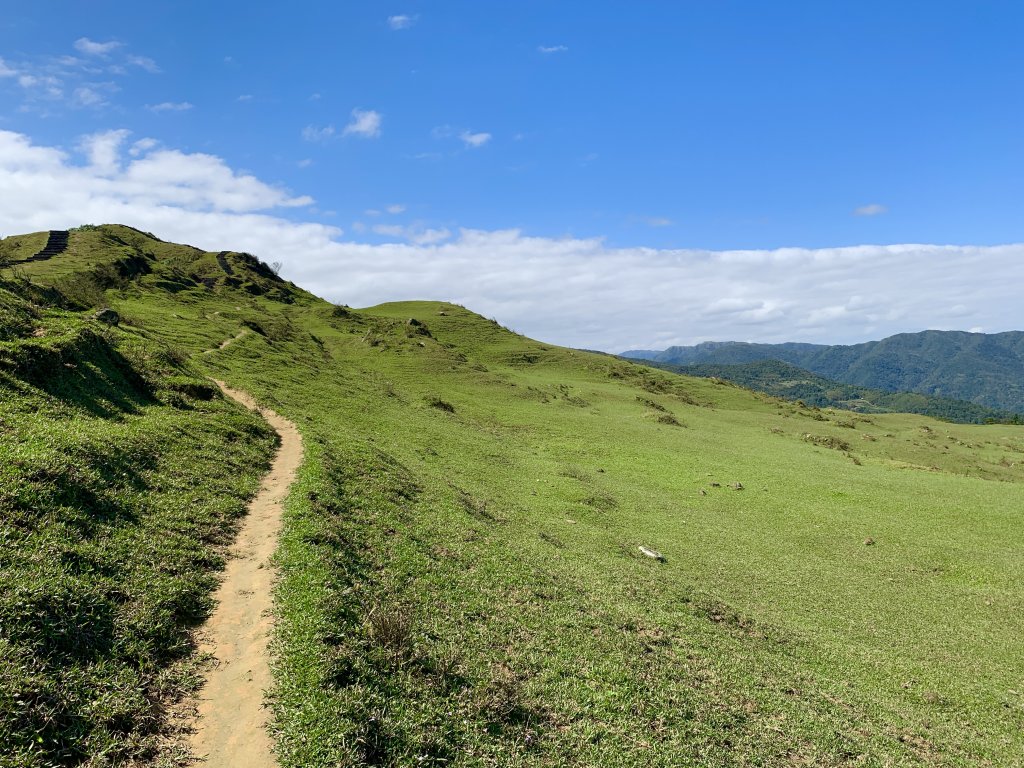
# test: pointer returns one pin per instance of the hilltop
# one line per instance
(985, 369)
(461, 579)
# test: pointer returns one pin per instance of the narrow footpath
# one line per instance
(231, 726)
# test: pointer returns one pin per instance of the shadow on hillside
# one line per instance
(86, 373)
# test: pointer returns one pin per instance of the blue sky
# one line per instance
(655, 127)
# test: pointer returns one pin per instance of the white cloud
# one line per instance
(430, 236)
(103, 150)
(76, 81)
(573, 291)
(316, 133)
(401, 21)
(304, 163)
(144, 62)
(245, 97)
(874, 209)
(657, 221)
(92, 48)
(170, 106)
(395, 208)
(470, 139)
(88, 97)
(414, 234)
(474, 140)
(365, 123)
(390, 230)
(142, 146)
(552, 48)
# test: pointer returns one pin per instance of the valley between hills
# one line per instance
(495, 551)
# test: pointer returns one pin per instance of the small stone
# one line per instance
(737, 486)
(108, 316)
(869, 542)
(652, 553)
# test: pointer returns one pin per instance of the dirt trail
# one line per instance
(231, 727)
(227, 343)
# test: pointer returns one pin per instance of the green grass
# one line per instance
(460, 576)
(121, 477)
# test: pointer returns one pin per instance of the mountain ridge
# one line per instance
(985, 369)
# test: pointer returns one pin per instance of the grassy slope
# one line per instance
(121, 473)
(461, 576)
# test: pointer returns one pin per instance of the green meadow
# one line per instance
(461, 579)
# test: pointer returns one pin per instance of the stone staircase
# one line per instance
(56, 243)
(223, 261)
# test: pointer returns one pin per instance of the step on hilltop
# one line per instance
(56, 244)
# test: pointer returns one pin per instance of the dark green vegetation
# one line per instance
(985, 369)
(461, 580)
(788, 381)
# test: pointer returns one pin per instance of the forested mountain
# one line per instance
(793, 383)
(986, 369)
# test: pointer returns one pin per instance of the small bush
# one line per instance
(390, 628)
(827, 441)
(442, 405)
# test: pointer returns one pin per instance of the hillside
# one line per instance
(792, 383)
(460, 575)
(986, 369)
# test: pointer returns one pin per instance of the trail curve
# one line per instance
(230, 729)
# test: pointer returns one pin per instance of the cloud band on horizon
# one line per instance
(573, 291)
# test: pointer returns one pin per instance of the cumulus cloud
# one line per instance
(401, 21)
(5, 70)
(365, 123)
(573, 291)
(103, 150)
(395, 208)
(113, 182)
(474, 140)
(552, 48)
(874, 209)
(170, 106)
(92, 48)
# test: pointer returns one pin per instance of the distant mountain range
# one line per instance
(984, 369)
(792, 383)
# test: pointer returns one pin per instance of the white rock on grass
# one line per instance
(652, 553)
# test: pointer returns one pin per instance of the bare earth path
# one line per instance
(231, 728)
(224, 345)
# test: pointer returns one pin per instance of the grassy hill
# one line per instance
(788, 381)
(985, 369)
(461, 580)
